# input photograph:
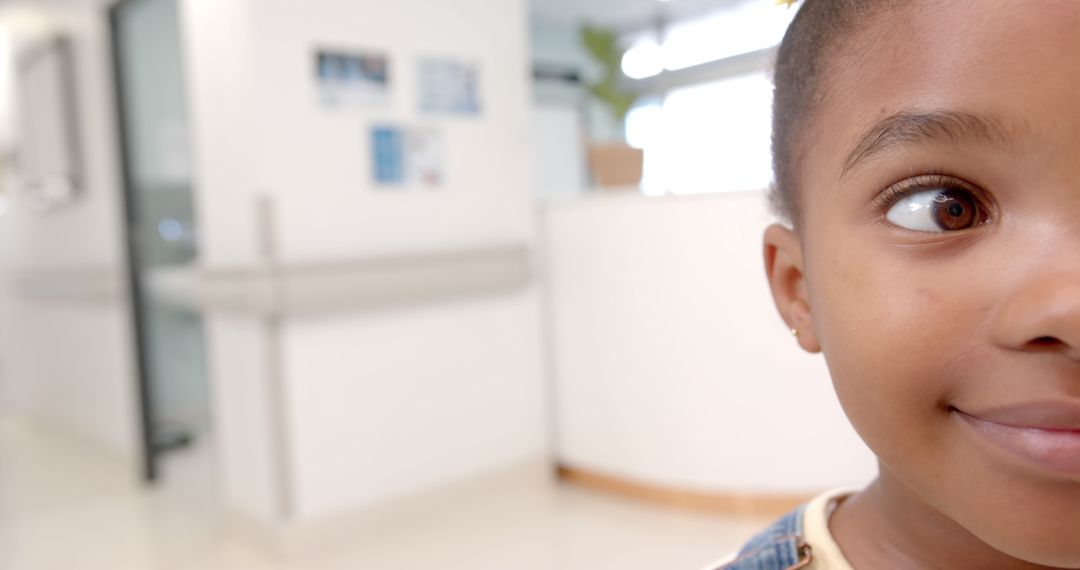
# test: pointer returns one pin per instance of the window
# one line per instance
(742, 28)
(708, 138)
(715, 136)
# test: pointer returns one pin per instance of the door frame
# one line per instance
(149, 469)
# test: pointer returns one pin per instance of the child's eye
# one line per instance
(940, 209)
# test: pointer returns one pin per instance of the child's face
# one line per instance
(924, 329)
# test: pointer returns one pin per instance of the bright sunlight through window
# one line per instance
(708, 138)
(712, 137)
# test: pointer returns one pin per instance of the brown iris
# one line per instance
(955, 210)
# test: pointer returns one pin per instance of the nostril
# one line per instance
(1046, 341)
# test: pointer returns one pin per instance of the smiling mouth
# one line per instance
(1044, 435)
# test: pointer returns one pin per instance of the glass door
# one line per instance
(161, 226)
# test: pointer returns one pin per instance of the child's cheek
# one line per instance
(892, 329)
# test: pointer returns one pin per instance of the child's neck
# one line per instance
(889, 526)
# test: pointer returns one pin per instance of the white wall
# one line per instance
(67, 348)
(243, 412)
(558, 151)
(381, 404)
(396, 403)
(260, 129)
(225, 126)
(216, 47)
(485, 199)
(672, 367)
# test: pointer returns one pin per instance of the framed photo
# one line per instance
(351, 79)
(407, 156)
(449, 86)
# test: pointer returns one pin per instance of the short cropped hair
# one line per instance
(815, 34)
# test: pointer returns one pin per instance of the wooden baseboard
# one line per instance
(735, 503)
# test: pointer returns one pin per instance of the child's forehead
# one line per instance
(954, 48)
(1003, 70)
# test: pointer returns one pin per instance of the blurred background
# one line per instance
(410, 284)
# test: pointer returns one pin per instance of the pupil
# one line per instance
(955, 210)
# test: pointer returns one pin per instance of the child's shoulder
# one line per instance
(799, 539)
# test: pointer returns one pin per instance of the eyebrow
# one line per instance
(914, 128)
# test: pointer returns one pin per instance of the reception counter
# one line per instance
(673, 375)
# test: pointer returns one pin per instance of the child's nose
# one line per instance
(1042, 314)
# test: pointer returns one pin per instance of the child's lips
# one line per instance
(1045, 435)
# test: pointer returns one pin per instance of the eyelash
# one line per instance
(930, 181)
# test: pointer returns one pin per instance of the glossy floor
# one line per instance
(63, 508)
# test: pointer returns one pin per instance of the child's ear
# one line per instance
(784, 267)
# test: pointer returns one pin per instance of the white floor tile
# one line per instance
(62, 508)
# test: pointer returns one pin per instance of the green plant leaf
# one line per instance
(603, 45)
(618, 101)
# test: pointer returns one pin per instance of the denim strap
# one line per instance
(780, 547)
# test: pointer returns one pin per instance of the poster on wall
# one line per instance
(352, 79)
(388, 153)
(449, 86)
(407, 156)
